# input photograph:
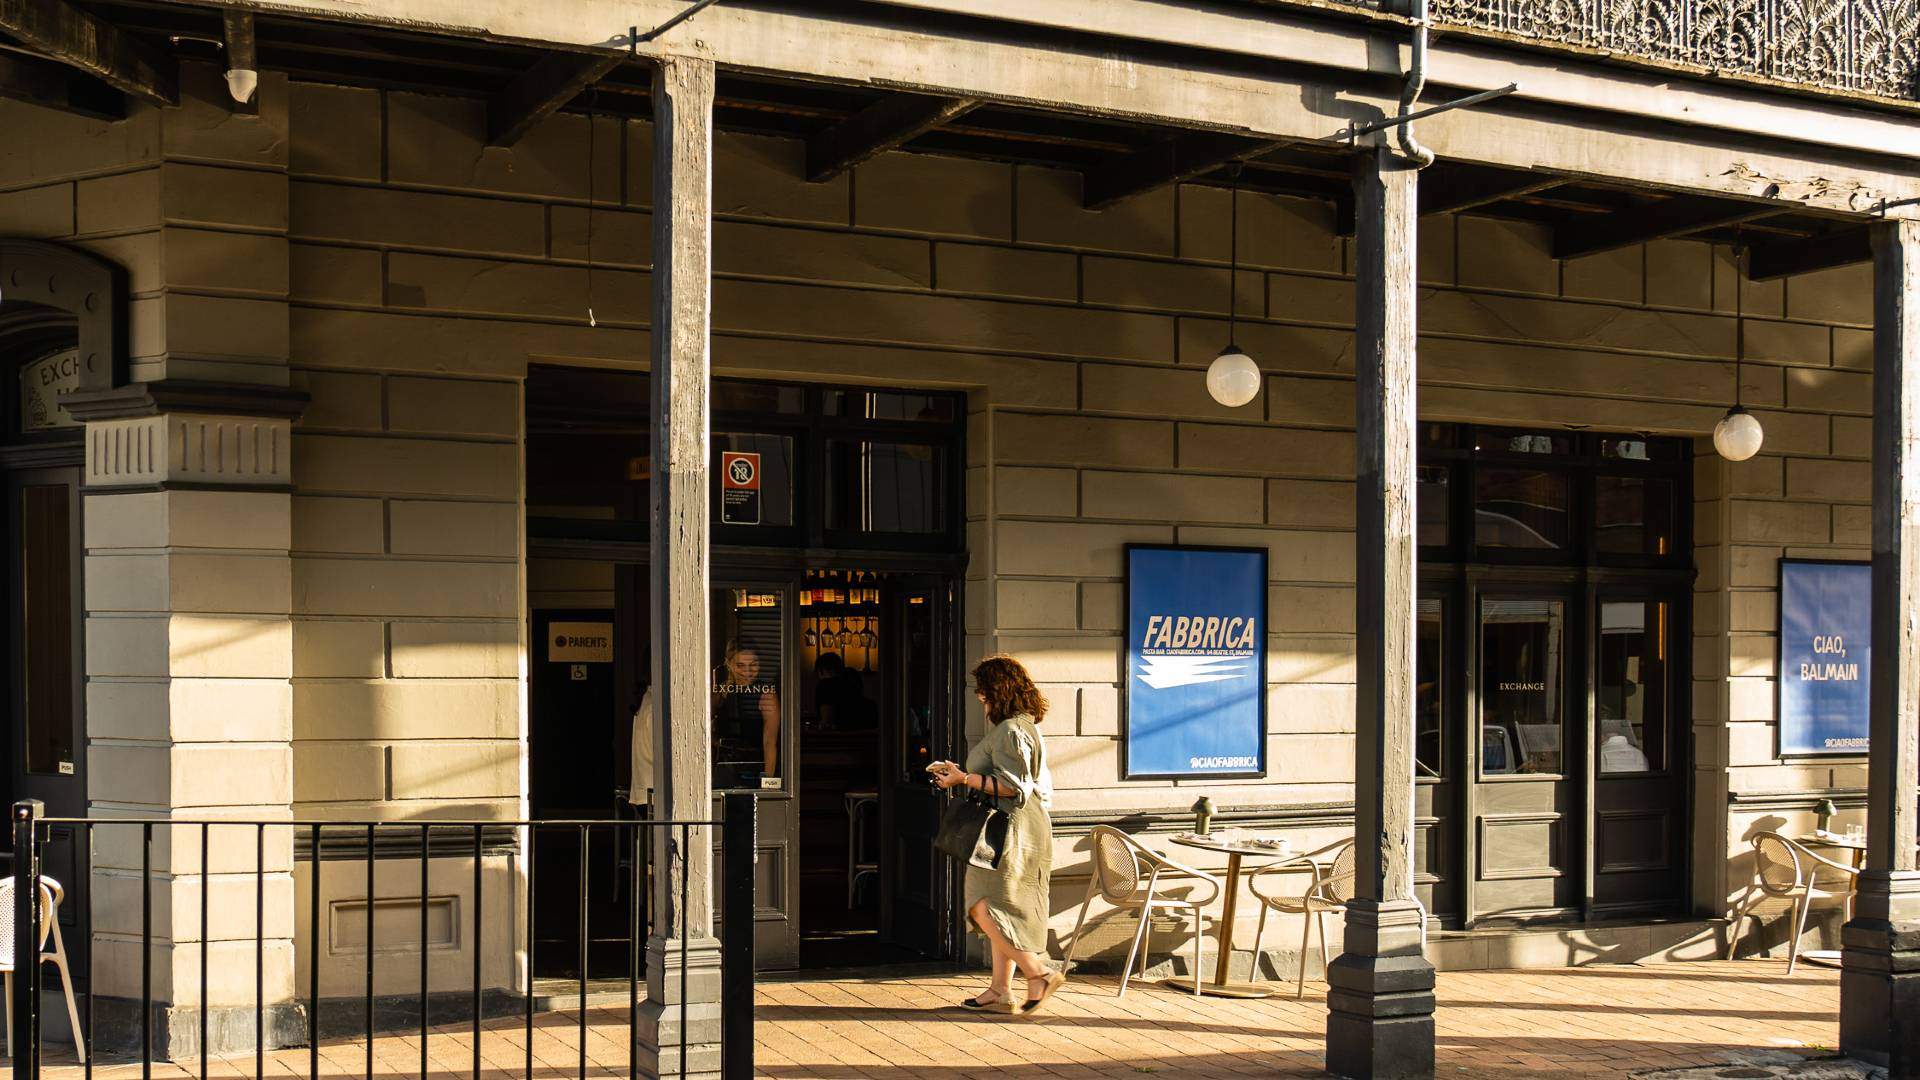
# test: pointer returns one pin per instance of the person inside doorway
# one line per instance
(746, 720)
(640, 778)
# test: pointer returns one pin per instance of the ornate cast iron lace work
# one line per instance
(1867, 46)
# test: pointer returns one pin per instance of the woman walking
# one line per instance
(1010, 903)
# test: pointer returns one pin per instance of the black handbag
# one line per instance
(973, 829)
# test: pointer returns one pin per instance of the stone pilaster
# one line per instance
(188, 525)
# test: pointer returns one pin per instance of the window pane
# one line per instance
(1522, 682)
(1633, 515)
(748, 643)
(1435, 504)
(775, 476)
(1630, 688)
(875, 405)
(1429, 689)
(1501, 441)
(1520, 508)
(886, 487)
(46, 578)
(755, 397)
(587, 452)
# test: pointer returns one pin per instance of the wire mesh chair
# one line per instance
(1129, 877)
(1784, 869)
(1328, 891)
(50, 896)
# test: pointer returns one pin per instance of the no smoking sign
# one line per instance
(739, 488)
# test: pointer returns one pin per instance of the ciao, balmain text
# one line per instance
(1199, 632)
(1829, 671)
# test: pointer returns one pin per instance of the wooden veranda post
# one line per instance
(683, 931)
(1880, 983)
(1380, 990)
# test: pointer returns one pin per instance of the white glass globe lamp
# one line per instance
(1738, 436)
(1233, 378)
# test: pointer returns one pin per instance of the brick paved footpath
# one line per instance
(1591, 1021)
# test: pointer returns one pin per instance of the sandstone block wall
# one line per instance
(423, 273)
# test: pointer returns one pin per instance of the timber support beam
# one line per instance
(1380, 991)
(1880, 965)
(679, 1033)
(885, 125)
(82, 40)
(56, 86)
(1181, 158)
(1783, 258)
(1677, 216)
(542, 89)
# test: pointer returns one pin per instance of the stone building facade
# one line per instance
(310, 597)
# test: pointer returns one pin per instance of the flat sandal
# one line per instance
(976, 1005)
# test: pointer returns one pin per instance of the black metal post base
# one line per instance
(1880, 976)
(1380, 1017)
(1380, 996)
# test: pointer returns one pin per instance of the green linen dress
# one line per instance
(1016, 893)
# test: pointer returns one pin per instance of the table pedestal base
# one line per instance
(1217, 989)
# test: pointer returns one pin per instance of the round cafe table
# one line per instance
(1235, 848)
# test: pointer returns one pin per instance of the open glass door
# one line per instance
(916, 730)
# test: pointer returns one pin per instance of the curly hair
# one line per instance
(1008, 689)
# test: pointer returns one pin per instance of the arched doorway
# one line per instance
(62, 329)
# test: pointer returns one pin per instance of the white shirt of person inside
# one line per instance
(640, 783)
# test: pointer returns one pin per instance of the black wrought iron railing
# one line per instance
(294, 1027)
(1859, 46)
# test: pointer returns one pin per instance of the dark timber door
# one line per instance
(574, 706)
(1525, 807)
(1638, 792)
(915, 731)
(46, 675)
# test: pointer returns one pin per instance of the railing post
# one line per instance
(739, 846)
(26, 939)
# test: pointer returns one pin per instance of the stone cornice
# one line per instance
(185, 396)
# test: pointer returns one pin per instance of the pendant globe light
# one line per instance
(1233, 378)
(1738, 435)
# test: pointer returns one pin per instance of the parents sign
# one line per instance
(1196, 702)
(1826, 650)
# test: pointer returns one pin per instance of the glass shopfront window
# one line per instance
(1520, 508)
(810, 467)
(1430, 687)
(1630, 687)
(884, 487)
(1523, 667)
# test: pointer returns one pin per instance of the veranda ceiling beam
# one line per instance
(557, 79)
(1782, 258)
(1450, 192)
(89, 43)
(885, 125)
(56, 86)
(1675, 216)
(1181, 158)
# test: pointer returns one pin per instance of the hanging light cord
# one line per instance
(1739, 320)
(595, 100)
(1233, 248)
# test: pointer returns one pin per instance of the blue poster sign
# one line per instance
(1196, 662)
(1826, 650)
